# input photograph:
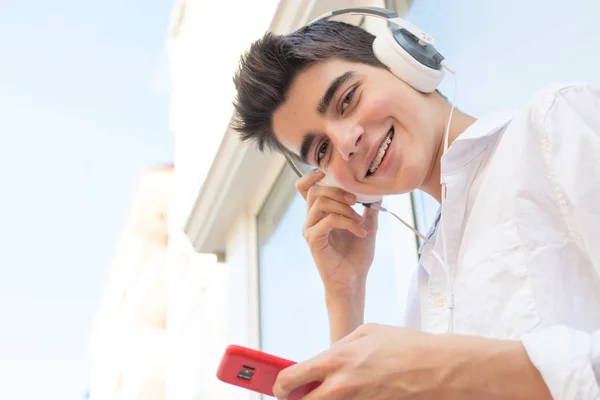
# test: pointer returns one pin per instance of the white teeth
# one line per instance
(381, 152)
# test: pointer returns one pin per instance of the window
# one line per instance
(293, 317)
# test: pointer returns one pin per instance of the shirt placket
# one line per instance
(439, 295)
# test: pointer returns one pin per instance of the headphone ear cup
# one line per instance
(402, 64)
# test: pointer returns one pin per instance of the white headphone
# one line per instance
(405, 49)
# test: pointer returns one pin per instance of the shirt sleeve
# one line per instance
(569, 133)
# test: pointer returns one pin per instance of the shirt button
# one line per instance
(440, 300)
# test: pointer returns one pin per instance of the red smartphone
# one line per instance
(256, 370)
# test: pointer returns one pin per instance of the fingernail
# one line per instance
(363, 231)
(315, 170)
(350, 198)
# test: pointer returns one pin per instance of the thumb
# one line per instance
(370, 216)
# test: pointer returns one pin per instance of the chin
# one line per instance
(407, 182)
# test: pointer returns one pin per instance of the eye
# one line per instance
(347, 99)
(322, 151)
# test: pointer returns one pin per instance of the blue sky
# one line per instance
(83, 109)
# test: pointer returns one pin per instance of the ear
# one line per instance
(419, 66)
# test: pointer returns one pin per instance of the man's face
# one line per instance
(340, 115)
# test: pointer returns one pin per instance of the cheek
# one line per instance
(415, 166)
(383, 105)
(339, 170)
(377, 108)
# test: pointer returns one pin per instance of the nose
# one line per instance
(346, 138)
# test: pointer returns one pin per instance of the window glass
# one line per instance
(293, 317)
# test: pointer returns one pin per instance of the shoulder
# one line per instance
(562, 101)
(556, 123)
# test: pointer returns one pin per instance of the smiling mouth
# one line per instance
(381, 152)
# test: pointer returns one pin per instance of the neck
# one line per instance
(460, 122)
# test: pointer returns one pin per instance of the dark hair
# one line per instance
(268, 69)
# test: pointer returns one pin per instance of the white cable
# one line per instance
(441, 260)
(449, 280)
(377, 206)
(447, 131)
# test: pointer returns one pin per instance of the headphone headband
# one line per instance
(382, 13)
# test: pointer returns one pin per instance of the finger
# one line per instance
(300, 392)
(317, 235)
(319, 232)
(325, 205)
(332, 192)
(308, 181)
(370, 217)
(331, 389)
(313, 370)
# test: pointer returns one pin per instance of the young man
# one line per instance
(519, 226)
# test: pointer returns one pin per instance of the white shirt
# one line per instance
(522, 237)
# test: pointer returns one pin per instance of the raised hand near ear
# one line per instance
(341, 241)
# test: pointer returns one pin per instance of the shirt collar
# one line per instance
(475, 139)
(487, 125)
(466, 147)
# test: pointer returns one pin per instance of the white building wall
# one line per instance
(204, 44)
(196, 323)
(241, 302)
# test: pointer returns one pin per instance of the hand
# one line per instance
(378, 362)
(374, 362)
(341, 241)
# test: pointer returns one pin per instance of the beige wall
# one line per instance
(129, 333)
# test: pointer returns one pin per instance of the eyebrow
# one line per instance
(307, 141)
(324, 103)
(331, 91)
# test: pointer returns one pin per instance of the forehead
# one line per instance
(298, 114)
